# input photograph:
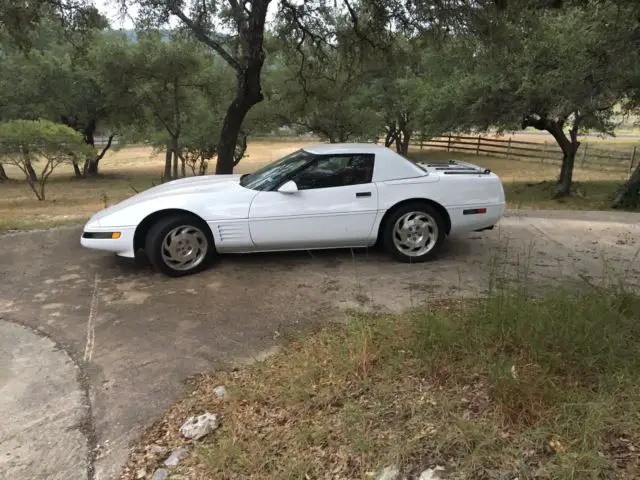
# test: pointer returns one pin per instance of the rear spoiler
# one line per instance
(456, 167)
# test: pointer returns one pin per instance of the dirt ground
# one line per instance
(136, 336)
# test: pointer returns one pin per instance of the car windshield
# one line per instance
(268, 177)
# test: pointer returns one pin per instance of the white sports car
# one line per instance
(323, 196)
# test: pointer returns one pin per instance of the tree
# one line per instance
(321, 83)
(167, 88)
(56, 80)
(629, 194)
(397, 79)
(242, 46)
(562, 70)
(20, 18)
(327, 95)
(28, 142)
(242, 50)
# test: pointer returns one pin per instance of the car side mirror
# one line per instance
(288, 187)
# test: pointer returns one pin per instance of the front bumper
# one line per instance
(103, 239)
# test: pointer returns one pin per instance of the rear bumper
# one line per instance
(465, 219)
(100, 239)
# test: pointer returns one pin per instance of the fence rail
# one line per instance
(587, 155)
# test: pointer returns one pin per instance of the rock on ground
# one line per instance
(197, 427)
(431, 474)
(175, 457)
(389, 473)
(220, 392)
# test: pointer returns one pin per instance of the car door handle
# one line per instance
(363, 194)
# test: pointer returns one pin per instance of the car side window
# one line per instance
(336, 171)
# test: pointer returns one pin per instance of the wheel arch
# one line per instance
(439, 208)
(145, 225)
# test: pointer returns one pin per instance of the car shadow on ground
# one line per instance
(455, 248)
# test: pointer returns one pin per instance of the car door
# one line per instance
(335, 206)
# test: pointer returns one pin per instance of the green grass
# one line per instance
(509, 386)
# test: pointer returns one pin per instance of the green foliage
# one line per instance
(169, 91)
(25, 143)
(326, 91)
(551, 64)
(55, 79)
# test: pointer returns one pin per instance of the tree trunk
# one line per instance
(568, 145)
(34, 187)
(31, 173)
(241, 149)
(248, 84)
(3, 174)
(175, 165)
(229, 134)
(92, 164)
(565, 180)
(167, 162)
(569, 148)
(392, 133)
(406, 138)
(91, 167)
(183, 167)
(629, 194)
(76, 169)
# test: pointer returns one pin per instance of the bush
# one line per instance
(24, 143)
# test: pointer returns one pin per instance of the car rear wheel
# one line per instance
(414, 232)
(180, 245)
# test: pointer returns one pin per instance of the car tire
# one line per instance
(180, 245)
(414, 232)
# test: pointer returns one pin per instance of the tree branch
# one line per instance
(107, 146)
(573, 133)
(304, 29)
(204, 38)
(538, 122)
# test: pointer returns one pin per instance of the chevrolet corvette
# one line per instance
(320, 197)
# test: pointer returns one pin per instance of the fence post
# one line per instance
(633, 159)
(509, 149)
(478, 146)
(449, 143)
(584, 155)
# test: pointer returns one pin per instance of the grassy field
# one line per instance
(71, 200)
(500, 388)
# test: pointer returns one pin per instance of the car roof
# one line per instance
(338, 148)
(389, 165)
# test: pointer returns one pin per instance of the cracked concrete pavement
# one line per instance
(93, 348)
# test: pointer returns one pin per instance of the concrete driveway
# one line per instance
(93, 348)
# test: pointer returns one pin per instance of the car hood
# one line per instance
(209, 184)
(206, 183)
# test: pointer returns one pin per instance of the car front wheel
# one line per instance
(414, 232)
(180, 245)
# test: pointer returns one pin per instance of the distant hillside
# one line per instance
(133, 36)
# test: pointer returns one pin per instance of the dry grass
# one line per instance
(619, 142)
(500, 388)
(70, 200)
